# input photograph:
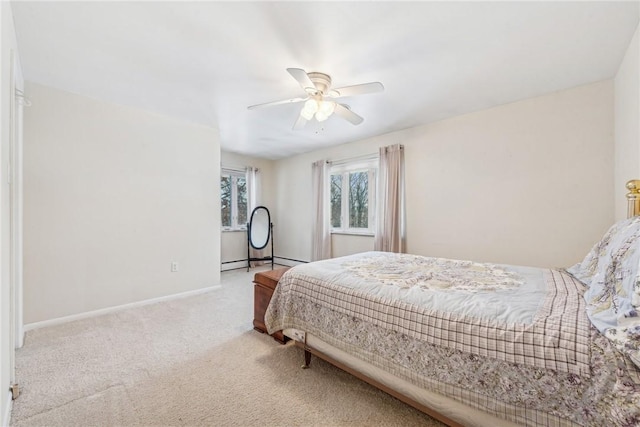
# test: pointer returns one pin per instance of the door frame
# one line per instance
(14, 178)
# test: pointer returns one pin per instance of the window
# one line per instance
(352, 190)
(233, 199)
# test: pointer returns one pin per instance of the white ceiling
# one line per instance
(205, 62)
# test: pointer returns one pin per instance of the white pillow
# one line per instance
(613, 297)
(598, 256)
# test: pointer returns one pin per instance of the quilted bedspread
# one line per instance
(512, 341)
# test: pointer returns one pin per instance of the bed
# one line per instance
(479, 344)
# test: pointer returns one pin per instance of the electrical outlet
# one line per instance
(174, 266)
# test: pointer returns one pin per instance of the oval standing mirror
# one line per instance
(259, 227)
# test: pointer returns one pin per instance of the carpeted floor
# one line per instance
(191, 361)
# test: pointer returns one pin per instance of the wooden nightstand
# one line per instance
(265, 284)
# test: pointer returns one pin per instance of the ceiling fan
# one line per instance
(319, 101)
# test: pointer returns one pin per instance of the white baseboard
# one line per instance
(288, 262)
(233, 265)
(243, 264)
(6, 417)
(100, 312)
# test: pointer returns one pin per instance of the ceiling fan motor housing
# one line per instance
(321, 81)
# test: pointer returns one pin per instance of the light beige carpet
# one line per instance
(191, 361)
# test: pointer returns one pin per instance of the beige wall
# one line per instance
(627, 124)
(345, 244)
(113, 195)
(526, 183)
(234, 243)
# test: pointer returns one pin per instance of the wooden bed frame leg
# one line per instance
(307, 359)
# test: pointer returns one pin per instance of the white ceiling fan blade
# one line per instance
(344, 112)
(360, 89)
(284, 101)
(300, 123)
(302, 77)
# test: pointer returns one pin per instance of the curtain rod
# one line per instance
(237, 168)
(370, 156)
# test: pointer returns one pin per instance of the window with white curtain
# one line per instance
(352, 196)
(233, 199)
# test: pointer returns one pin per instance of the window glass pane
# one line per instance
(359, 199)
(336, 200)
(241, 183)
(225, 200)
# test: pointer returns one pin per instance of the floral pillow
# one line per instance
(613, 297)
(588, 267)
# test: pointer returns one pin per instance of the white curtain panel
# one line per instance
(253, 188)
(253, 201)
(390, 218)
(321, 238)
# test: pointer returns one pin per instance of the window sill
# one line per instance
(354, 233)
(226, 230)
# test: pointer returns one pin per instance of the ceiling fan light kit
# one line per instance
(321, 109)
(318, 88)
(325, 109)
(310, 108)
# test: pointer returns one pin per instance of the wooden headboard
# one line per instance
(633, 198)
